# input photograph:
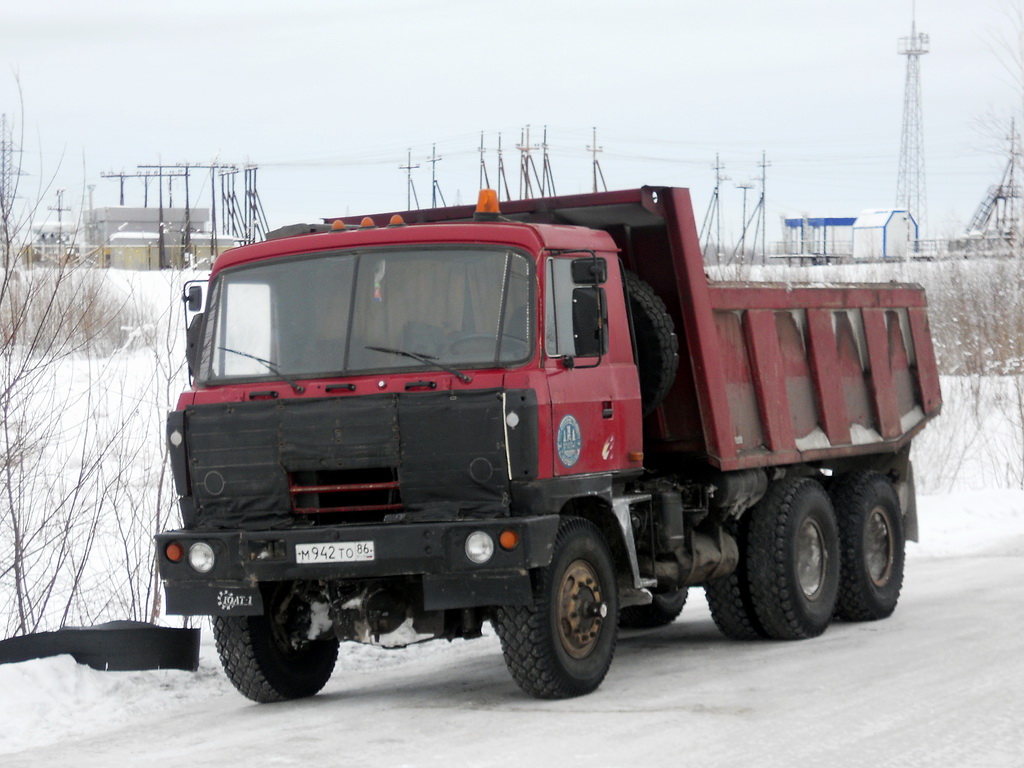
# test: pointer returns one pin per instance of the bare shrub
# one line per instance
(72, 431)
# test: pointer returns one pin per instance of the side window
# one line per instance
(576, 322)
(558, 337)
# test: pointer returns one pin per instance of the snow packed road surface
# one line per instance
(938, 684)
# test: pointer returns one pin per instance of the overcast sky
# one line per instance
(325, 97)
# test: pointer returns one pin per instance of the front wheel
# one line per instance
(266, 660)
(563, 644)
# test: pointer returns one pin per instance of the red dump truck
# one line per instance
(546, 418)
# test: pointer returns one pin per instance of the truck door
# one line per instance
(592, 380)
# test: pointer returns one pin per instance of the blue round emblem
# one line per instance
(569, 441)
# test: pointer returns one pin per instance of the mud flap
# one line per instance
(462, 590)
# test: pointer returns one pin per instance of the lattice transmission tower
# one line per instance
(910, 184)
(8, 175)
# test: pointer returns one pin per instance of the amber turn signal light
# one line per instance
(174, 552)
(508, 540)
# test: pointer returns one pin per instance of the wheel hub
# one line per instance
(878, 546)
(811, 559)
(581, 609)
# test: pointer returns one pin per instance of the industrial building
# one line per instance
(122, 237)
(874, 235)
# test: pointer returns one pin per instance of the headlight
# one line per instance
(479, 547)
(201, 557)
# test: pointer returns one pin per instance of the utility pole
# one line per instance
(435, 189)
(161, 243)
(255, 218)
(763, 165)
(121, 177)
(910, 183)
(213, 168)
(741, 248)
(713, 217)
(525, 164)
(502, 178)
(485, 182)
(60, 209)
(186, 236)
(547, 181)
(410, 188)
(593, 149)
(213, 214)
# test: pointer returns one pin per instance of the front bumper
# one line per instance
(433, 551)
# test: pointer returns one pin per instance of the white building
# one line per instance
(884, 234)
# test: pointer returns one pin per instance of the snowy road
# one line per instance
(938, 684)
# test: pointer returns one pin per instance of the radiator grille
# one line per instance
(353, 495)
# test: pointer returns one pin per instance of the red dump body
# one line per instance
(769, 374)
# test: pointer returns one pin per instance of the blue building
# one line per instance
(823, 239)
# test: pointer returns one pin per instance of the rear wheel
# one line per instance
(663, 609)
(266, 660)
(732, 607)
(793, 559)
(872, 542)
(563, 644)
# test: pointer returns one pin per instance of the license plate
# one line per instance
(335, 552)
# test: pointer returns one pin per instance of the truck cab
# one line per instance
(393, 418)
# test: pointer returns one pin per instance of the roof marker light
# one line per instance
(337, 225)
(396, 221)
(366, 223)
(487, 202)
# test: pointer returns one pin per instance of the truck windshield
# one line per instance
(346, 312)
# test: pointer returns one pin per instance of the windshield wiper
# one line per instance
(426, 360)
(299, 389)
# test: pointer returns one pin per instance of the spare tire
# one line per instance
(657, 348)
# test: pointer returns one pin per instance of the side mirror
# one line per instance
(194, 298)
(589, 321)
(589, 271)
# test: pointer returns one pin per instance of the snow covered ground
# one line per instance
(938, 684)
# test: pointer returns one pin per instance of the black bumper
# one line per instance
(433, 551)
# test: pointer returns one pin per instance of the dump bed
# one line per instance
(768, 374)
